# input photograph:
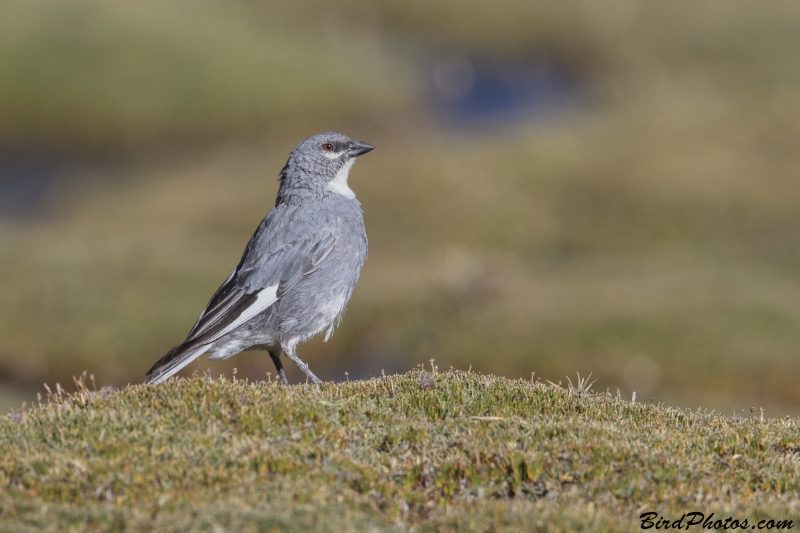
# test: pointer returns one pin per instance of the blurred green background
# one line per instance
(605, 187)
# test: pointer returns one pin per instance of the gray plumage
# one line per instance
(296, 273)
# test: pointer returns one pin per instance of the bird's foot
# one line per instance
(304, 367)
(282, 374)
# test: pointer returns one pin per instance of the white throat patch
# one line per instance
(339, 183)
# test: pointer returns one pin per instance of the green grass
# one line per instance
(103, 77)
(420, 451)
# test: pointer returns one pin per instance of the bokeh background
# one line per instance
(559, 187)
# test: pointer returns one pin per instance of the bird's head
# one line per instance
(323, 162)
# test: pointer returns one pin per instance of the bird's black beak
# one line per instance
(358, 148)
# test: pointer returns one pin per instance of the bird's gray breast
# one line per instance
(318, 298)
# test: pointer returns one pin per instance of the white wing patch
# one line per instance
(266, 297)
(339, 183)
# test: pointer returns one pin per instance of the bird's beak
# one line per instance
(358, 148)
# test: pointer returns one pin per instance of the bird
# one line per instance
(298, 270)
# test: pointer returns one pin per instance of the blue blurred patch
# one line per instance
(468, 91)
(24, 180)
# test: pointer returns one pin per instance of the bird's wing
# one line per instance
(256, 284)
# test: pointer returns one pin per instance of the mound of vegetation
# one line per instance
(420, 451)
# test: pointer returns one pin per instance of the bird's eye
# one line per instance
(328, 147)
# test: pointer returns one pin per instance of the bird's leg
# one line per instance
(289, 351)
(276, 358)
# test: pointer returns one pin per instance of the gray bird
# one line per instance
(298, 270)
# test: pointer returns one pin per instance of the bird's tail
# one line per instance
(173, 361)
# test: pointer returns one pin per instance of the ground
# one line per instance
(422, 451)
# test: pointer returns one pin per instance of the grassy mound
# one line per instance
(426, 451)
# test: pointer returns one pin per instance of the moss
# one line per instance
(441, 451)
